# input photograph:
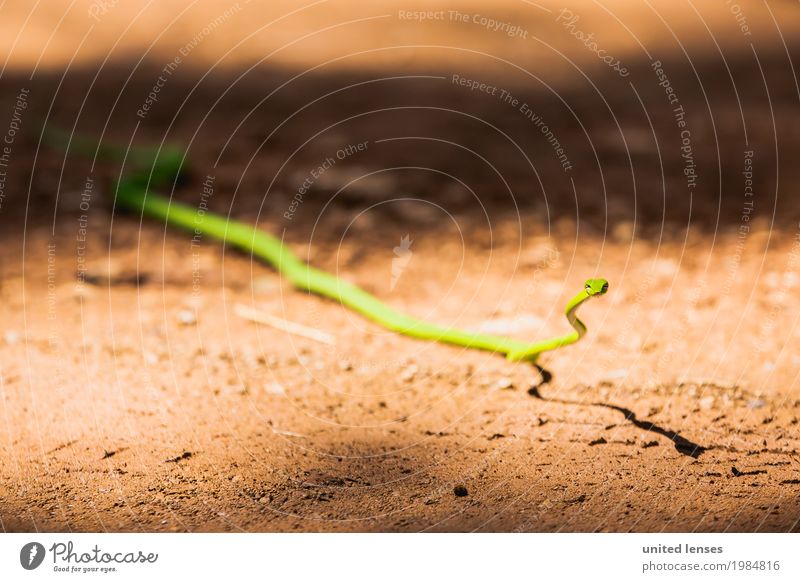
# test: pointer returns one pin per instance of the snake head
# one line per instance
(596, 287)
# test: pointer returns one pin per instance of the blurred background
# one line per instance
(282, 82)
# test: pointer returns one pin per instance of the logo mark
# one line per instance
(31, 555)
(401, 259)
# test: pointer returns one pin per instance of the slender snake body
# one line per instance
(158, 167)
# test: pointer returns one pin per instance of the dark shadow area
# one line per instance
(683, 445)
(261, 132)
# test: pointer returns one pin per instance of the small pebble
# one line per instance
(504, 384)
(756, 403)
(345, 365)
(460, 491)
(409, 373)
(707, 403)
(274, 388)
(186, 317)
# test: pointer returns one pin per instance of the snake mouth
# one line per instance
(596, 287)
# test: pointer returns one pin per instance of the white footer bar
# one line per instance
(406, 557)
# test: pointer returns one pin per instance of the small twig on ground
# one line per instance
(291, 327)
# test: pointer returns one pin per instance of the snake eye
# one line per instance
(605, 287)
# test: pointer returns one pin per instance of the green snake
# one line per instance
(158, 167)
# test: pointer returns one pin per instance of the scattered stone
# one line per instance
(504, 384)
(12, 337)
(756, 403)
(648, 444)
(707, 403)
(497, 435)
(187, 317)
(409, 373)
(600, 441)
(460, 491)
(274, 388)
(345, 365)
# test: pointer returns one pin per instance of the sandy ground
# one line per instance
(140, 401)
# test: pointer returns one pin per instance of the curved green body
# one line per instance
(165, 164)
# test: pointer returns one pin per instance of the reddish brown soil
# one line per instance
(678, 412)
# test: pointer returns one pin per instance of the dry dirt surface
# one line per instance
(134, 398)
